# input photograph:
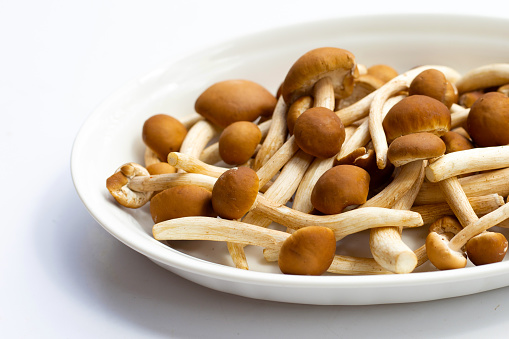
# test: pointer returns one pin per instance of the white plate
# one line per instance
(112, 136)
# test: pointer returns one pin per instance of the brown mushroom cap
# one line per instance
(238, 141)
(486, 248)
(295, 110)
(181, 201)
(441, 255)
(447, 225)
(488, 120)
(161, 168)
(234, 192)
(455, 142)
(433, 83)
(117, 185)
(417, 113)
(336, 63)
(319, 132)
(235, 100)
(416, 146)
(467, 99)
(383, 72)
(339, 187)
(363, 85)
(163, 134)
(308, 251)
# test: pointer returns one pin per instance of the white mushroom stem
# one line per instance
(491, 75)
(475, 185)
(191, 164)
(161, 182)
(150, 157)
(277, 161)
(468, 161)
(210, 154)
(342, 224)
(280, 192)
(481, 205)
(387, 247)
(198, 137)
(459, 117)
(276, 135)
(479, 226)
(191, 119)
(458, 201)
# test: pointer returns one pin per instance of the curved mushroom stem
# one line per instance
(191, 164)
(198, 137)
(491, 75)
(468, 161)
(191, 119)
(161, 182)
(386, 245)
(458, 116)
(276, 135)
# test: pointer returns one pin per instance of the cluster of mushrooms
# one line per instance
(341, 148)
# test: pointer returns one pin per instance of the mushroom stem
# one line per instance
(276, 135)
(387, 247)
(491, 75)
(473, 185)
(191, 164)
(198, 137)
(150, 157)
(481, 205)
(459, 118)
(161, 182)
(458, 201)
(191, 119)
(468, 161)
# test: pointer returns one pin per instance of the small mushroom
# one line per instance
(467, 99)
(181, 201)
(416, 113)
(238, 142)
(437, 241)
(340, 187)
(455, 142)
(308, 251)
(326, 62)
(415, 146)
(118, 186)
(160, 168)
(296, 109)
(163, 134)
(319, 132)
(486, 248)
(433, 83)
(488, 121)
(383, 72)
(229, 101)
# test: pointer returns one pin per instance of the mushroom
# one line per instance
(488, 120)
(467, 99)
(439, 253)
(455, 142)
(383, 72)
(486, 248)
(433, 83)
(235, 193)
(308, 251)
(238, 142)
(363, 85)
(198, 137)
(413, 147)
(296, 109)
(163, 134)
(340, 187)
(117, 185)
(235, 100)
(181, 201)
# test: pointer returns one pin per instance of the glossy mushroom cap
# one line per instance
(486, 248)
(238, 141)
(229, 101)
(433, 83)
(308, 251)
(339, 187)
(455, 142)
(336, 63)
(296, 109)
(383, 72)
(467, 99)
(437, 244)
(235, 192)
(181, 201)
(163, 134)
(414, 114)
(319, 132)
(488, 120)
(161, 168)
(416, 146)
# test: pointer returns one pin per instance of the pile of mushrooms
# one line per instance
(341, 148)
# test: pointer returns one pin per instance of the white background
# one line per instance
(61, 274)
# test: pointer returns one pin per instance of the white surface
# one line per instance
(114, 128)
(62, 275)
